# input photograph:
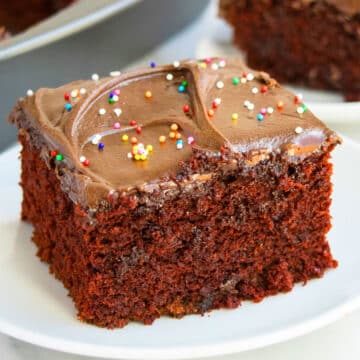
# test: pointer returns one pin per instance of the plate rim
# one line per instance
(225, 347)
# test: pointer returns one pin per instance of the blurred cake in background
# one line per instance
(15, 17)
(308, 42)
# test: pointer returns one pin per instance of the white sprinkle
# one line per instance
(250, 76)
(220, 84)
(217, 101)
(129, 155)
(82, 158)
(95, 77)
(243, 80)
(299, 97)
(222, 63)
(169, 77)
(176, 63)
(298, 129)
(29, 93)
(74, 93)
(246, 103)
(82, 91)
(95, 139)
(270, 110)
(179, 146)
(300, 110)
(254, 90)
(102, 111)
(214, 66)
(115, 98)
(251, 106)
(117, 112)
(115, 73)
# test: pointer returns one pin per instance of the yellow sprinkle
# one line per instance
(202, 65)
(174, 127)
(149, 148)
(235, 116)
(148, 94)
(137, 157)
(134, 149)
(162, 139)
(125, 138)
(172, 135)
(143, 157)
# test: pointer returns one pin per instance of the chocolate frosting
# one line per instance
(230, 106)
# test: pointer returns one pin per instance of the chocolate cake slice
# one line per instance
(309, 42)
(175, 189)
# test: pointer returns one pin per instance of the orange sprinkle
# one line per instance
(280, 105)
(174, 127)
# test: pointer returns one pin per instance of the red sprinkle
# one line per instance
(186, 108)
(244, 74)
(263, 89)
(86, 162)
(138, 129)
(132, 123)
(297, 99)
(66, 96)
(53, 153)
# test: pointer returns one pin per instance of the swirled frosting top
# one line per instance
(132, 129)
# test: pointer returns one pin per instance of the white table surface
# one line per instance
(339, 340)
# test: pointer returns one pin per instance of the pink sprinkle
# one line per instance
(117, 92)
(208, 60)
(263, 111)
(190, 140)
(117, 125)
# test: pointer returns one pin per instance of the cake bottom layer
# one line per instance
(240, 236)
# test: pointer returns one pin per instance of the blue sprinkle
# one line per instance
(101, 146)
(68, 106)
(111, 95)
(179, 144)
(260, 117)
(153, 64)
(181, 88)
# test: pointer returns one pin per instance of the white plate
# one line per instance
(328, 106)
(34, 306)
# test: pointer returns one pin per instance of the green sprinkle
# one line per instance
(304, 107)
(59, 157)
(235, 80)
(111, 100)
(184, 83)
